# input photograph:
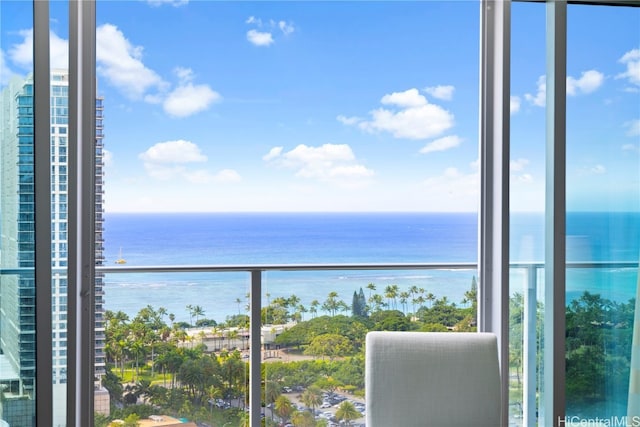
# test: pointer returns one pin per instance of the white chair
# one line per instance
(432, 379)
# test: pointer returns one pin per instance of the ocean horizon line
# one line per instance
(381, 212)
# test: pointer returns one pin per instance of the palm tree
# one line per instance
(197, 312)
(413, 290)
(303, 419)
(142, 388)
(377, 302)
(314, 308)
(293, 301)
(404, 297)
(161, 313)
(331, 304)
(302, 309)
(371, 288)
(430, 297)
(390, 293)
(312, 397)
(344, 306)
(213, 393)
(271, 393)
(238, 301)
(189, 308)
(232, 335)
(247, 306)
(267, 309)
(283, 408)
(347, 412)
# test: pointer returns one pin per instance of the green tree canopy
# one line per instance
(329, 345)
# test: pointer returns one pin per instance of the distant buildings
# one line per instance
(17, 246)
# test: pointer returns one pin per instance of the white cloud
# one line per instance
(441, 92)
(329, 163)
(5, 71)
(188, 99)
(167, 160)
(407, 99)
(120, 63)
(286, 28)
(633, 127)
(178, 151)
(514, 104)
(441, 144)
(107, 157)
(597, 169)
(588, 82)
(517, 168)
(539, 99)
(631, 147)
(21, 54)
(413, 123)
(632, 60)
(58, 52)
(259, 38)
(413, 118)
(263, 34)
(273, 153)
(184, 74)
(518, 165)
(348, 120)
(524, 178)
(174, 3)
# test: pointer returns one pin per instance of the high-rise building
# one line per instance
(17, 291)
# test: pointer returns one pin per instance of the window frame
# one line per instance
(493, 215)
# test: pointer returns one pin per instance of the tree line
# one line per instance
(153, 364)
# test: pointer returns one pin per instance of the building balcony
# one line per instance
(252, 313)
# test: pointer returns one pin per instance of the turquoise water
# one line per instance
(228, 239)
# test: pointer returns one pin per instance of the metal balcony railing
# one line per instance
(256, 273)
(530, 286)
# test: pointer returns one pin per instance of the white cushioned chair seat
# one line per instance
(432, 379)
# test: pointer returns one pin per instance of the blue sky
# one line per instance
(341, 106)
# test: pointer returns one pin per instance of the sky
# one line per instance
(341, 106)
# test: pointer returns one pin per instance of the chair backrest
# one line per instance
(432, 379)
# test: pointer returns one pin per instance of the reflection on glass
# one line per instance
(527, 189)
(603, 208)
(17, 244)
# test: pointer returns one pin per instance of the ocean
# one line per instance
(334, 238)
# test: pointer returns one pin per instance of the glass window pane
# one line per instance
(270, 133)
(603, 207)
(527, 190)
(17, 237)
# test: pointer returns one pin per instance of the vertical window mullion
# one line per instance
(255, 360)
(81, 234)
(493, 265)
(42, 214)
(555, 214)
